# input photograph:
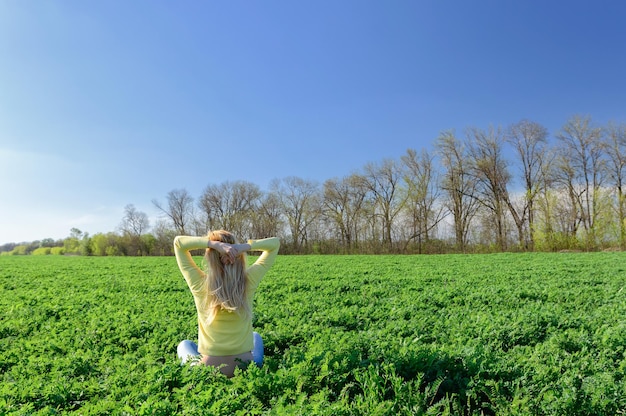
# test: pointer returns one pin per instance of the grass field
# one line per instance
(505, 334)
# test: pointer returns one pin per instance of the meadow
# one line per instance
(505, 334)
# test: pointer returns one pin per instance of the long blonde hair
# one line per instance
(226, 283)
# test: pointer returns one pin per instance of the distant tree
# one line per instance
(85, 245)
(71, 244)
(547, 234)
(57, 251)
(301, 204)
(383, 181)
(230, 206)
(582, 171)
(99, 243)
(179, 209)
(568, 194)
(490, 170)
(114, 250)
(32, 246)
(164, 238)
(5, 248)
(48, 242)
(41, 251)
(148, 242)
(20, 250)
(134, 224)
(343, 201)
(615, 142)
(458, 184)
(422, 191)
(529, 140)
(266, 219)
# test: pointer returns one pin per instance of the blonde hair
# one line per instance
(226, 283)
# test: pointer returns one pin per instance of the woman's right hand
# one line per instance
(228, 252)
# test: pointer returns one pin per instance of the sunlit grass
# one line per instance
(451, 334)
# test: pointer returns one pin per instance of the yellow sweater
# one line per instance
(229, 333)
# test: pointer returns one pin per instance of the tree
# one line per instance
(547, 233)
(85, 245)
(582, 169)
(230, 206)
(179, 209)
(134, 222)
(383, 183)
(71, 244)
(5, 248)
(266, 218)
(615, 144)
(492, 177)
(301, 205)
(459, 185)
(99, 243)
(569, 195)
(342, 206)
(164, 236)
(48, 242)
(19, 250)
(422, 194)
(529, 140)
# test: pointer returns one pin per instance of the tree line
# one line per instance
(489, 190)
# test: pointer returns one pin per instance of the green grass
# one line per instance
(506, 334)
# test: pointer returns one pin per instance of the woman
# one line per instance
(223, 296)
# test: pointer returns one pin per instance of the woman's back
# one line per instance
(223, 332)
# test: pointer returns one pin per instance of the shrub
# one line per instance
(19, 250)
(57, 251)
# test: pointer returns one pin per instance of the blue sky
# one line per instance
(108, 103)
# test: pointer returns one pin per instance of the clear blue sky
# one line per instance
(108, 103)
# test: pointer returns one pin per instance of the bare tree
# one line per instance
(422, 194)
(301, 203)
(547, 218)
(529, 139)
(615, 142)
(490, 170)
(164, 235)
(582, 166)
(230, 206)
(383, 181)
(179, 209)
(459, 185)
(342, 206)
(266, 218)
(568, 197)
(134, 224)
